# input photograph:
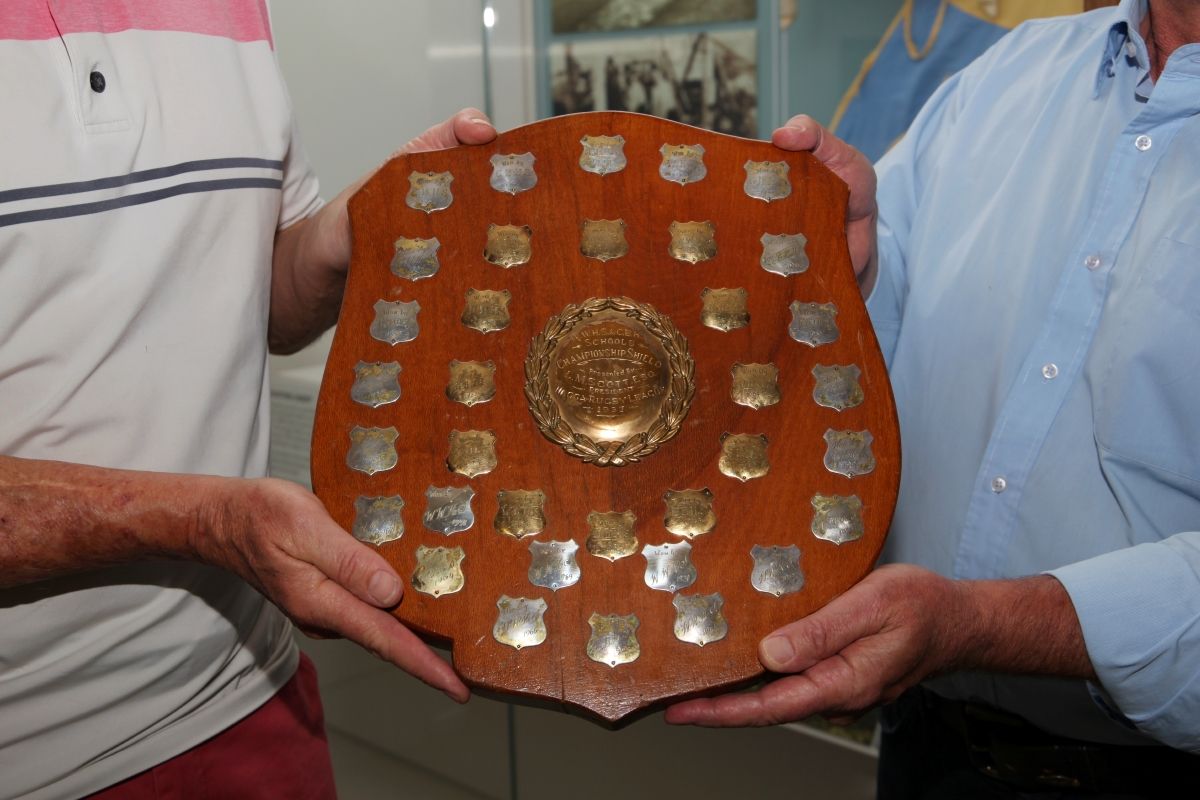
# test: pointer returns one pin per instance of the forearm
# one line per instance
(1025, 626)
(58, 518)
(308, 276)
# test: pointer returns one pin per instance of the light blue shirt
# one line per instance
(1039, 304)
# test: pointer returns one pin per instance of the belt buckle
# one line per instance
(998, 747)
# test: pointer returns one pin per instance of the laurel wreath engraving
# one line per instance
(680, 388)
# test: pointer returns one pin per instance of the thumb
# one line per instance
(802, 132)
(469, 126)
(799, 645)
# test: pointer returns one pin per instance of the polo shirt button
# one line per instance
(1142, 142)
(96, 79)
(999, 484)
(1050, 371)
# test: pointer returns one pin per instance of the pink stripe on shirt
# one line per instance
(240, 20)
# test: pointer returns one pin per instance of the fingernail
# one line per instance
(384, 588)
(777, 651)
(479, 120)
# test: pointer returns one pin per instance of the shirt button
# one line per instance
(96, 79)
(1050, 371)
(1142, 143)
(1092, 261)
(999, 485)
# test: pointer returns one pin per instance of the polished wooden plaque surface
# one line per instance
(605, 393)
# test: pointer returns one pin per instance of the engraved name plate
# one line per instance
(682, 163)
(603, 239)
(610, 534)
(693, 242)
(439, 570)
(837, 519)
(849, 452)
(744, 456)
(813, 324)
(415, 258)
(520, 512)
(471, 382)
(755, 385)
(372, 449)
(776, 570)
(395, 322)
(508, 245)
(614, 639)
(724, 309)
(767, 180)
(513, 173)
(487, 310)
(448, 509)
(376, 383)
(429, 191)
(602, 155)
(553, 564)
(472, 453)
(378, 520)
(520, 622)
(689, 512)
(837, 386)
(783, 254)
(669, 566)
(698, 618)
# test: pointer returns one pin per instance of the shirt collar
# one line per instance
(1124, 46)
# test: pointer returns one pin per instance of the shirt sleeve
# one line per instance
(1142, 643)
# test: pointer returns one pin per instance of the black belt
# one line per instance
(1009, 749)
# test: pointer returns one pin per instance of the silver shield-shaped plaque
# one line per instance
(487, 310)
(439, 570)
(610, 534)
(508, 245)
(682, 163)
(813, 324)
(849, 452)
(396, 322)
(614, 639)
(521, 621)
(669, 566)
(603, 239)
(513, 173)
(602, 155)
(698, 618)
(553, 564)
(755, 385)
(837, 519)
(744, 456)
(448, 509)
(471, 382)
(776, 570)
(724, 309)
(378, 520)
(372, 449)
(689, 512)
(784, 253)
(837, 386)
(376, 384)
(693, 242)
(767, 180)
(429, 191)
(415, 258)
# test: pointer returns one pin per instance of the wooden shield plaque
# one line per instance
(605, 393)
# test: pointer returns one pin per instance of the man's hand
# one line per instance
(277, 537)
(898, 626)
(803, 133)
(309, 264)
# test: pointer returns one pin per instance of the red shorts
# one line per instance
(280, 750)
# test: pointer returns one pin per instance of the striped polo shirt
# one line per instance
(148, 159)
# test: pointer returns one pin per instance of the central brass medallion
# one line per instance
(609, 380)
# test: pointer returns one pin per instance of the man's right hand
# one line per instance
(802, 132)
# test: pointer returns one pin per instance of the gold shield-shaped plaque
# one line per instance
(396, 322)
(376, 384)
(508, 245)
(682, 163)
(520, 512)
(521, 621)
(439, 570)
(776, 570)
(487, 310)
(744, 456)
(609, 380)
(837, 519)
(698, 618)
(755, 385)
(610, 534)
(767, 180)
(602, 155)
(415, 258)
(471, 382)
(612, 387)
(472, 453)
(689, 512)
(372, 449)
(429, 191)
(849, 452)
(603, 239)
(724, 309)
(837, 386)
(614, 639)
(693, 242)
(513, 173)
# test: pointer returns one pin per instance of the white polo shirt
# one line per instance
(148, 159)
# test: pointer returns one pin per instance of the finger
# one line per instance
(785, 700)
(802, 132)
(800, 645)
(352, 565)
(382, 634)
(469, 126)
